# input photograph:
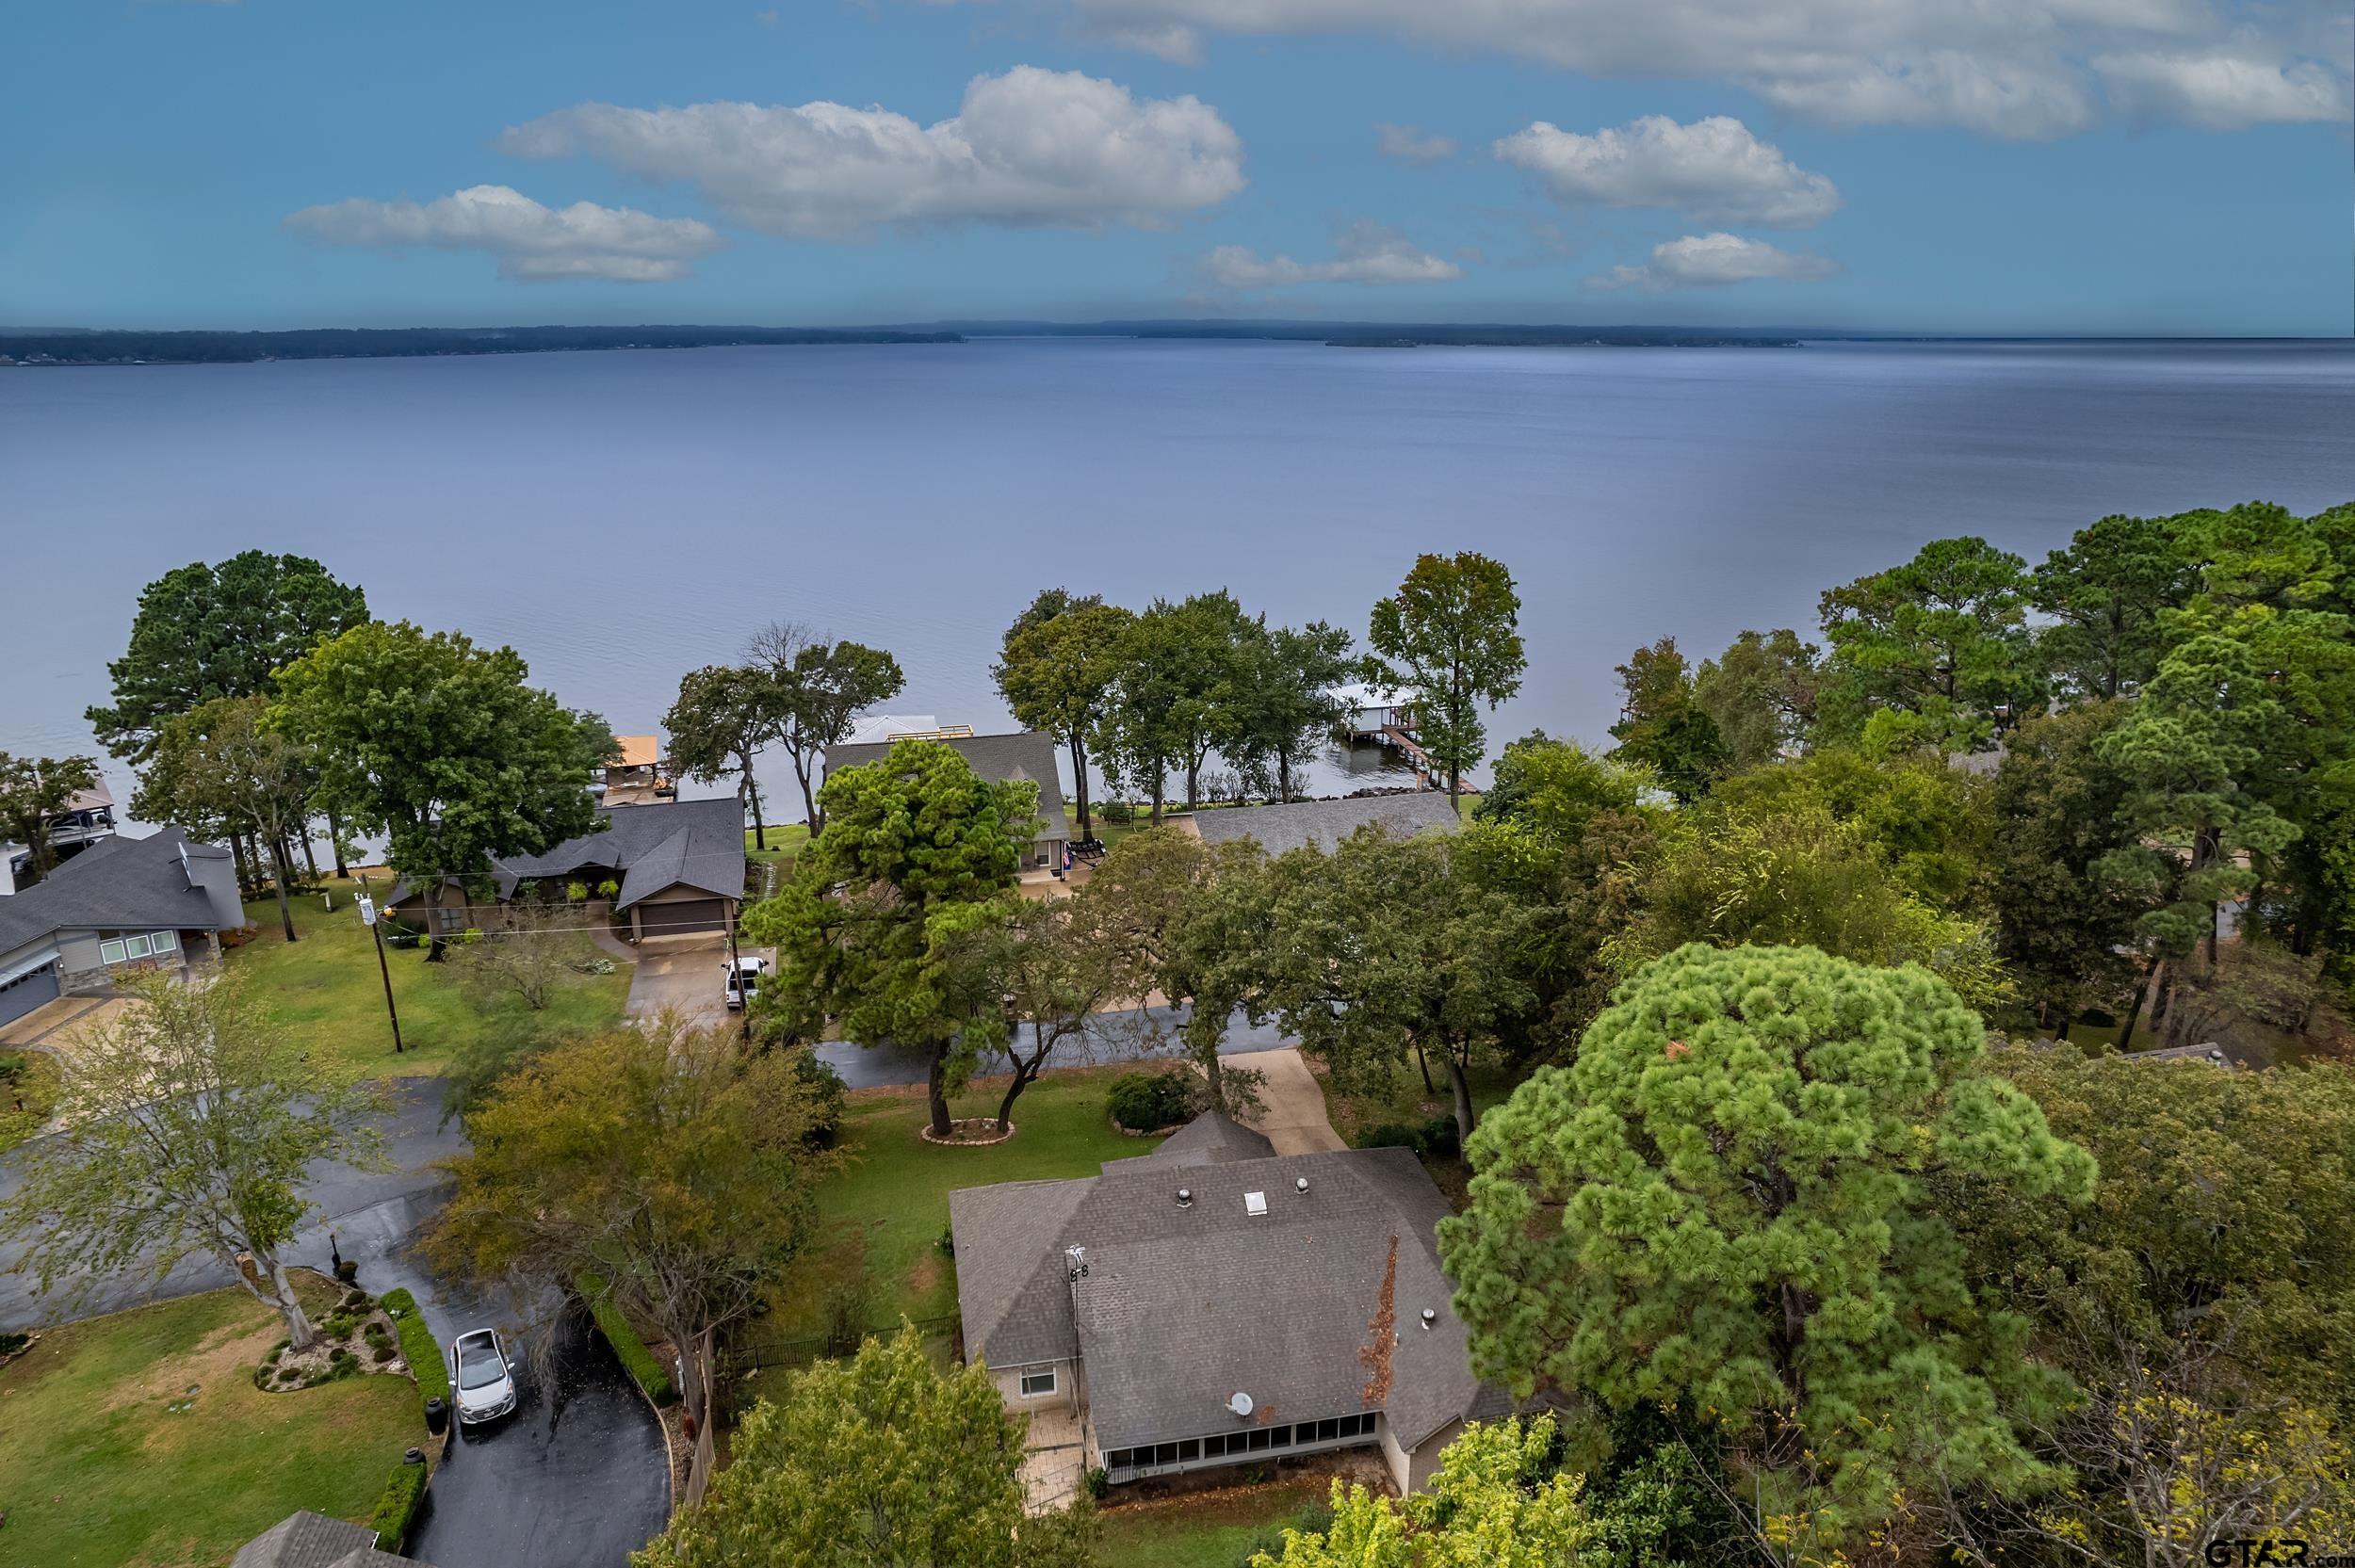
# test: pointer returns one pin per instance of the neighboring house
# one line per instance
(122, 903)
(1326, 823)
(873, 728)
(308, 1540)
(88, 817)
(996, 757)
(636, 774)
(679, 867)
(1213, 1303)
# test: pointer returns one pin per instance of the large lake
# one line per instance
(619, 518)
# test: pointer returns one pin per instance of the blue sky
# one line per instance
(2030, 165)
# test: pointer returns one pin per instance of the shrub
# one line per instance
(338, 1325)
(1117, 811)
(1098, 1482)
(11, 1343)
(12, 1063)
(576, 893)
(632, 1350)
(1144, 1101)
(355, 1301)
(947, 1241)
(1438, 1138)
(404, 1489)
(419, 1345)
(609, 889)
(825, 1087)
(382, 1354)
(1390, 1135)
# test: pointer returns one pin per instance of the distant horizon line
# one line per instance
(1205, 326)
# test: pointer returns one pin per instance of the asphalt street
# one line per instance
(1139, 1034)
(577, 1478)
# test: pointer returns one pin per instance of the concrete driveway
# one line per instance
(687, 974)
(578, 1475)
(1291, 1103)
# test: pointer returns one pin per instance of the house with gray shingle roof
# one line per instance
(121, 904)
(308, 1540)
(1326, 823)
(1213, 1303)
(1026, 755)
(677, 867)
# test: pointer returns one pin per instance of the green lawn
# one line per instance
(784, 843)
(891, 1203)
(1210, 1529)
(30, 1077)
(1405, 1102)
(101, 1474)
(325, 989)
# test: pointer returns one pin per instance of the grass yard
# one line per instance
(28, 1078)
(325, 989)
(1405, 1102)
(890, 1203)
(101, 1474)
(784, 843)
(1211, 1530)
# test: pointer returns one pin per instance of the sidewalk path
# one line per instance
(1291, 1103)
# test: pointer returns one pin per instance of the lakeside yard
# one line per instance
(139, 1440)
(888, 1208)
(325, 991)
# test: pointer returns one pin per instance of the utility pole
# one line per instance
(367, 918)
(735, 976)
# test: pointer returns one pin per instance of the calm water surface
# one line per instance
(623, 517)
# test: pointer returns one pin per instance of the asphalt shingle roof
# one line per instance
(1326, 823)
(1207, 1139)
(1182, 1307)
(1026, 755)
(304, 1539)
(699, 844)
(116, 883)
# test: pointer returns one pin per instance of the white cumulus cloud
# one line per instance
(1713, 168)
(1707, 261)
(1363, 253)
(1407, 144)
(533, 243)
(2008, 67)
(2221, 91)
(1029, 148)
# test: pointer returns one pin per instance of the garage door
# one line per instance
(688, 915)
(27, 992)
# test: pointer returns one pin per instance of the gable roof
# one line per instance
(699, 844)
(1182, 1307)
(116, 883)
(307, 1540)
(1326, 823)
(1026, 755)
(1207, 1139)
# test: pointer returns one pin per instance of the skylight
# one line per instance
(1254, 1203)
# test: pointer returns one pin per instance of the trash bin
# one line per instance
(436, 1415)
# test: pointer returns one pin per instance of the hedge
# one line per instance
(404, 1489)
(417, 1344)
(1147, 1102)
(626, 1343)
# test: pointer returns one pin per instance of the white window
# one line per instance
(137, 947)
(110, 950)
(167, 942)
(1037, 1381)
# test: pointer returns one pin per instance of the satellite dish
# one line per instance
(1241, 1404)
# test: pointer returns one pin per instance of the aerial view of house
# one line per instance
(676, 867)
(120, 904)
(1213, 1302)
(1023, 754)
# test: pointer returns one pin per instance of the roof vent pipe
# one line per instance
(1301, 1185)
(1429, 1317)
(1185, 1197)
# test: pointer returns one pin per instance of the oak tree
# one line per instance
(1452, 636)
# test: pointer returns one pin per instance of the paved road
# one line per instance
(1141, 1034)
(578, 1475)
